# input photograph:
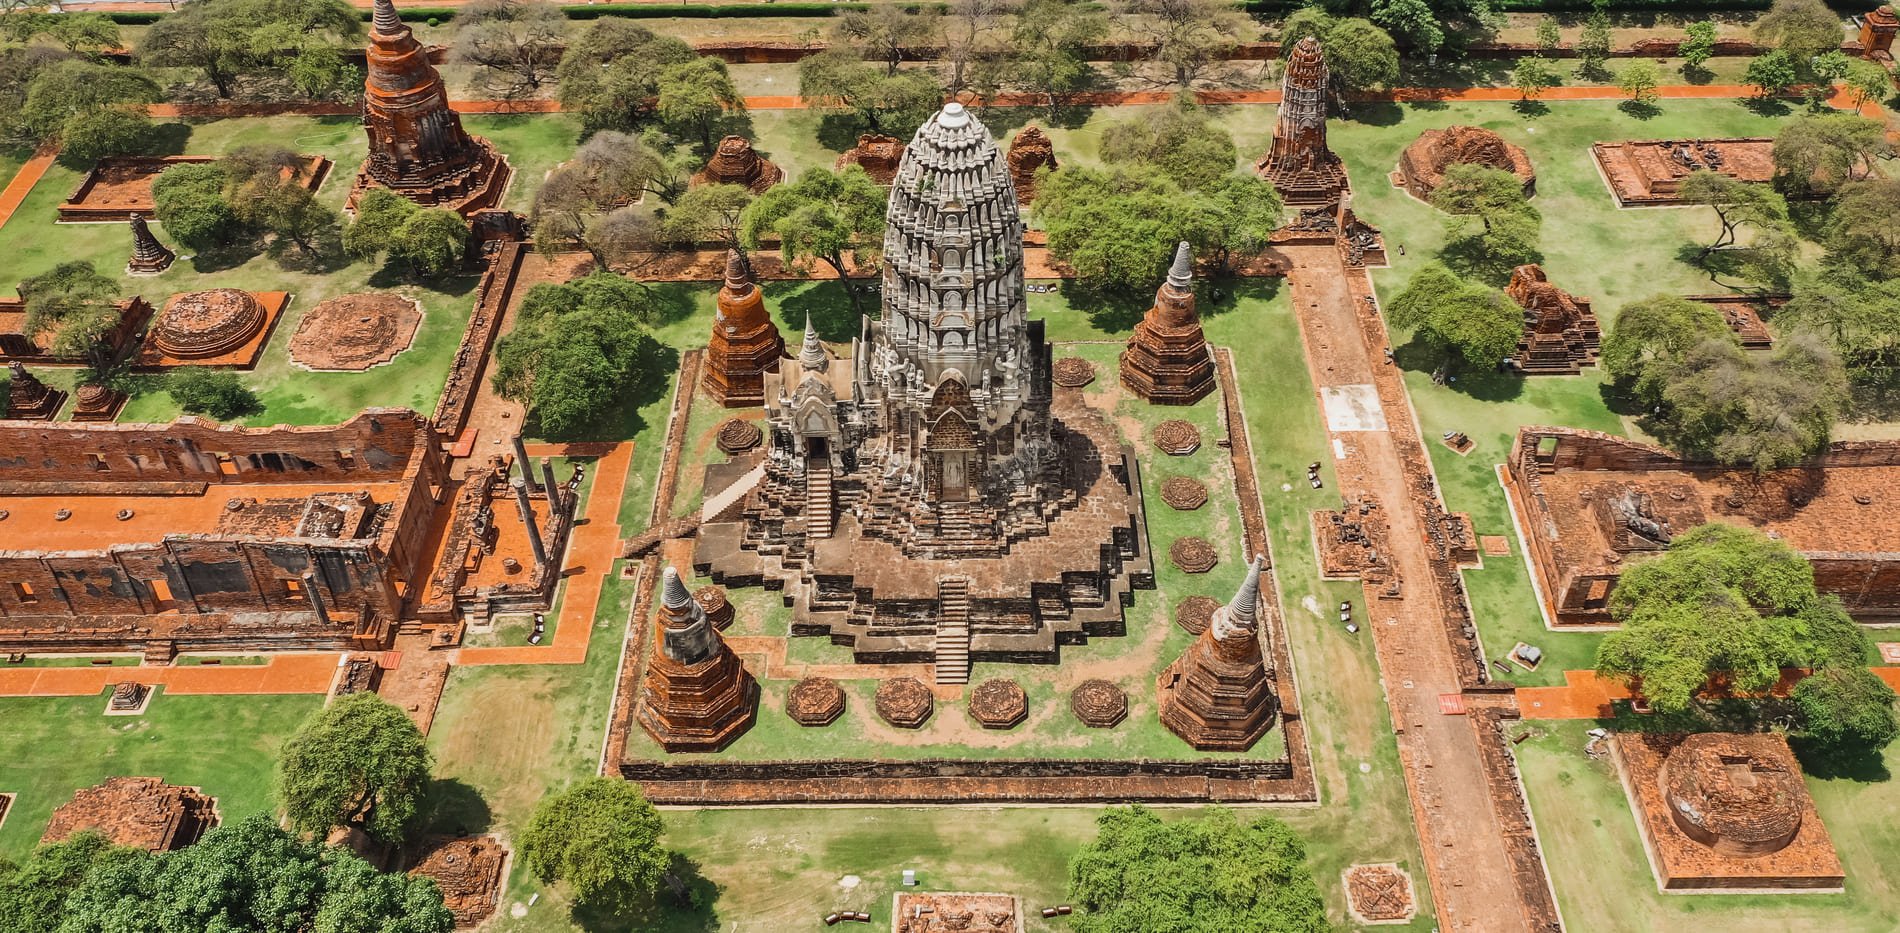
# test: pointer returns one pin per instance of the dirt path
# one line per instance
(24, 180)
(1462, 833)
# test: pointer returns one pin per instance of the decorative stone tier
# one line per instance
(737, 435)
(745, 343)
(94, 402)
(877, 154)
(1184, 493)
(999, 704)
(149, 256)
(138, 812)
(1029, 151)
(815, 701)
(696, 695)
(1098, 704)
(1422, 166)
(1560, 331)
(29, 399)
(1219, 695)
(1177, 438)
(352, 333)
(1073, 372)
(17, 344)
(1194, 613)
(1193, 554)
(1167, 360)
(712, 601)
(223, 327)
(904, 702)
(735, 162)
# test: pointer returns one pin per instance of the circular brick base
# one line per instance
(1073, 372)
(1178, 438)
(904, 702)
(1184, 493)
(1193, 555)
(815, 701)
(1195, 612)
(1099, 704)
(999, 704)
(712, 601)
(737, 435)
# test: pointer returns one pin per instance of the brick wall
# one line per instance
(375, 446)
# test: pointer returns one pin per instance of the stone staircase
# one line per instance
(818, 501)
(953, 631)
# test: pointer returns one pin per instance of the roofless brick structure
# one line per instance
(745, 343)
(697, 696)
(1301, 167)
(417, 147)
(928, 499)
(1218, 696)
(1167, 361)
(140, 812)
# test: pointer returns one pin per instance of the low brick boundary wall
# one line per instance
(471, 358)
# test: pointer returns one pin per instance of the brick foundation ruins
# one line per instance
(17, 344)
(1379, 894)
(697, 696)
(502, 546)
(223, 327)
(28, 398)
(1650, 172)
(735, 162)
(352, 333)
(119, 186)
(139, 812)
(1590, 503)
(1560, 331)
(468, 869)
(877, 154)
(937, 912)
(1722, 812)
(1167, 361)
(417, 147)
(1422, 166)
(203, 537)
(1743, 314)
(745, 344)
(1218, 696)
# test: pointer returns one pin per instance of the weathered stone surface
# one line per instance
(417, 147)
(1099, 704)
(1195, 612)
(1184, 493)
(1422, 166)
(1560, 331)
(1074, 372)
(149, 257)
(1218, 696)
(1028, 151)
(139, 812)
(1167, 361)
(736, 436)
(94, 402)
(877, 154)
(355, 332)
(1650, 172)
(712, 601)
(1301, 167)
(1877, 30)
(1379, 894)
(1193, 554)
(29, 399)
(201, 325)
(697, 696)
(468, 871)
(815, 701)
(745, 343)
(904, 702)
(999, 703)
(735, 162)
(1177, 438)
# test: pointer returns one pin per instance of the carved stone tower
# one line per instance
(697, 696)
(745, 343)
(1218, 695)
(417, 147)
(1167, 361)
(1301, 167)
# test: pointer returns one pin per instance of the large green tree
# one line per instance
(695, 96)
(602, 838)
(1476, 322)
(610, 171)
(1206, 873)
(1857, 315)
(1508, 229)
(1652, 337)
(579, 351)
(1863, 230)
(102, 108)
(379, 213)
(882, 102)
(1360, 56)
(1820, 152)
(1801, 28)
(33, 896)
(1845, 711)
(611, 73)
(1182, 143)
(1052, 39)
(432, 241)
(1722, 600)
(230, 42)
(200, 390)
(1116, 227)
(359, 762)
(708, 212)
(1756, 241)
(1191, 38)
(514, 46)
(824, 215)
(73, 310)
(190, 200)
(1732, 407)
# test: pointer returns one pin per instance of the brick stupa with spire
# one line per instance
(1167, 361)
(1218, 695)
(1300, 166)
(29, 399)
(696, 696)
(417, 147)
(745, 343)
(149, 256)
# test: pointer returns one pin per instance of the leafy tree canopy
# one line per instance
(233, 41)
(63, 92)
(33, 896)
(218, 393)
(708, 212)
(880, 100)
(359, 762)
(695, 96)
(1740, 409)
(190, 201)
(1863, 231)
(602, 838)
(1509, 228)
(1652, 337)
(1801, 28)
(1821, 152)
(578, 350)
(1771, 73)
(431, 241)
(73, 309)
(379, 212)
(610, 74)
(1360, 56)
(1845, 711)
(1858, 316)
(513, 46)
(1476, 322)
(823, 215)
(1181, 143)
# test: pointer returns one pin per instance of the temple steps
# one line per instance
(818, 501)
(953, 631)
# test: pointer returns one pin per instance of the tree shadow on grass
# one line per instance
(827, 304)
(675, 301)
(1376, 113)
(1419, 354)
(839, 131)
(450, 807)
(227, 257)
(1640, 109)
(1766, 106)
(1531, 109)
(1466, 256)
(1110, 311)
(1862, 765)
(685, 904)
(1215, 297)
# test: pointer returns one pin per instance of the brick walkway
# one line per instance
(282, 673)
(1588, 696)
(593, 544)
(24, 180)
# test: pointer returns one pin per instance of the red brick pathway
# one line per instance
(282, 673)
(24, 180)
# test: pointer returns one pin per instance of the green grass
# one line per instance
(50, 747)
(1604, 882)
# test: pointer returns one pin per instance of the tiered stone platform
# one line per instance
(137, 812)
(1650, 172)
(223, 327)
(352, 333)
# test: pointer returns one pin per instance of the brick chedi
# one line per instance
(417, 147)
(1167, 361)
(1029, 151)
(29, 399)
(735, 162)
(1301, 167)
(1218, 696)
(149, 257)
(697, 696)
(877, 154)
(1560, 331)
(1877, 30)
(745, 343)
(1423, 164)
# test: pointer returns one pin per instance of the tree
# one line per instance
(1738, 206)
(1868, 82)
(1190, 37)
(823, 216)
(514, 46)
(1532, 77)
(359, 762)
(610, 74)
(1052, 39)
(1115, 227)
(74, 310)
(888, 33)
(1210, 872)
(1234, 216)
(1509, 227)
(432, 241)
(33, 896)
(1856, 315)
(609, 171)
(1698, 46)
(1722, 600)
(695, 96)
(1181, 143)
(190, 201)
(1820, 152)
(577, 351)
(708, 212)
(252, 875)
(1863, 231)
(266, 188)
(616, 239)
(894, 103)
(1479, 324)
(1638, 82)
(1727, 406)
(1594, 45)
(1845, 711)
(1360, 56)
(1549, 34)
(230, 41)
(1650, 339)
(977, 44)
(602, 838)
(1823, 70)
(379, 213)
(73, 31)
(213, 392)
(63, 92)
(1801, 28)
(1415, 20)
(89, 137)
(1771, 74)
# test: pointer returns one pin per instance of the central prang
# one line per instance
(929, 498)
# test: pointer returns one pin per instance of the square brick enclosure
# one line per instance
(120, 186)
(1649, 172)
(962, 913)
(1722, 812)
(141, 812)
(1590, 504)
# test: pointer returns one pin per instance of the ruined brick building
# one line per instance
(1590, 504)
(1167, 361)
(745, 344)
(1561, 335)
(1302, 168)
(926, 499)
(1218, 695)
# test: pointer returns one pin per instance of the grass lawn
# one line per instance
(50, 747)
(1604, 882)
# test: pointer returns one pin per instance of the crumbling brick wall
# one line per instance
(375, 446)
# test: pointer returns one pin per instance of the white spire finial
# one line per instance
(953, 115)
(812, 354)
(1181, 274)
(385, 20)
(675, 595)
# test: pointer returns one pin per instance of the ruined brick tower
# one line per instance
(745, 342)
(1301, 167)
(697, 696)
(1167, 360)
(1218, 695)
(417, 147)
(1560, 330)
